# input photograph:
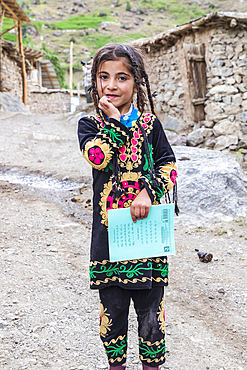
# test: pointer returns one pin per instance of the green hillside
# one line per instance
(94, 23)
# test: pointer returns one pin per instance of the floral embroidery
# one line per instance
(96, 155)
(161, 316)
(105, 322)
(130, 154)
(130, 189)
(168, 175)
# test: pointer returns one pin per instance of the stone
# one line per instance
(195, 138)
(11, 103)
(57, 33)
(237, 99)
(230, 81)
(223, 89)
(216, 81)
(243, 141)
(208, 124)
(210, 184)
(224, 141)
(173, 123)
(226, 127)
(175, 139)
(213, 111)
(238, 48)
(227, 99)
(244, 105)
(209, 143)
(231, 109)
(238, 79)
(206, 132)
(242, 87)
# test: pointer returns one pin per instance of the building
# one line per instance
(199, 72)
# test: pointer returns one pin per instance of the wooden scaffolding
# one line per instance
(10, 9)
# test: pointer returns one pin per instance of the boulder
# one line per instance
(223, 142)
(57, 33)
(175, 139)
(195, 137)
(211, 185)
(11, 103)
(173, 123)
(226, 127)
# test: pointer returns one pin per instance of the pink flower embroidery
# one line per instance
(173, 176)
(96, 155)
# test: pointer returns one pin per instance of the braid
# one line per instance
(150, 98)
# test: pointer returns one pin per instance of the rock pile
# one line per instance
(211, 185)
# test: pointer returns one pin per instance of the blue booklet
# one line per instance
(150, 237)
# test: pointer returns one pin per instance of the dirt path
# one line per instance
(49, 317)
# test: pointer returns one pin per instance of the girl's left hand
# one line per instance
(140, 207)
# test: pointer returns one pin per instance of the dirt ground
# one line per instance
(49, 318)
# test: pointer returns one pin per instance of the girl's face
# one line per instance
(115, 81)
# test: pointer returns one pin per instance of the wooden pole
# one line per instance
(24, 75)
(71, 69)
(78, 91)
(1, 61)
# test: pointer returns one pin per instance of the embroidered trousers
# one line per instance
(114, 310)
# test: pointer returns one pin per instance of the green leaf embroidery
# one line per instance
(150, 351)
(117, 350)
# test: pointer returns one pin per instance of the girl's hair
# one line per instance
(135, 66)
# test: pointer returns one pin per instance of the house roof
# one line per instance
(49, 78)
(169, 38)
(29, 53)
(14, 11)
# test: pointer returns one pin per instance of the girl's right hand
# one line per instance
(109, 109)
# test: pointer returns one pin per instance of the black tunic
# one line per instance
(99, 140)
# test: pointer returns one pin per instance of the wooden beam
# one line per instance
(1, 56)
(7, 31)
(71, 69)
(8, 8)
(24, 75)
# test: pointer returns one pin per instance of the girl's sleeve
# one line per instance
(97, 146)
(164, 162)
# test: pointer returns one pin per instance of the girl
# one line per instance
(133, 166)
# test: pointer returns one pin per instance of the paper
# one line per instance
(150, 237)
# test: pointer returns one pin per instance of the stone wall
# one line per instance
(12, 75)
(50, 101)
(225, 125)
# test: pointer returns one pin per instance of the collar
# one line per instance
(128, 118)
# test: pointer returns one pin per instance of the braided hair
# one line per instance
(135, 64)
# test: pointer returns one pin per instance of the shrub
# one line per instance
(128, 6)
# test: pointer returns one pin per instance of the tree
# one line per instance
(53, 58)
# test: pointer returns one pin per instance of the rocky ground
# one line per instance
(48, 315)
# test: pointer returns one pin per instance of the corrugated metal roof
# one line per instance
(49, 77)
(13, 11)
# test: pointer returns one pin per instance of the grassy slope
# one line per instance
(84, 28)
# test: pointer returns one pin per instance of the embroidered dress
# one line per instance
(102, 140)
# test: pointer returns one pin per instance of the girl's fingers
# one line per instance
(132, 212)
